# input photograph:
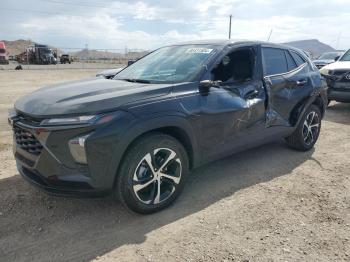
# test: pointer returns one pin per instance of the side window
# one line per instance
(290, 62)
(236, 66)
(274, 60)
(298, 59)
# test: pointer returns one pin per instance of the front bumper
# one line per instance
(339, 95)
(338, 90)
(77, 187)
(44, 159)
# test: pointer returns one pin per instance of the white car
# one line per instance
(338, 78)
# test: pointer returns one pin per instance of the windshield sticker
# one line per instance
(199, 51)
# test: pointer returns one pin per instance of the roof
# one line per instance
(225, 42)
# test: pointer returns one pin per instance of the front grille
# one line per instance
(340, 72)
(342, 75)
(27, 141)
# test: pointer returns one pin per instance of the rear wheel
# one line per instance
(308, 130)
(153, 173)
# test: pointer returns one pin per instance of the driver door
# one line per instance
(233, 115)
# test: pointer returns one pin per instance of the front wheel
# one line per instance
(152, 174)
(306, 134)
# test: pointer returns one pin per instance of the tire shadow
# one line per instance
(38, 227)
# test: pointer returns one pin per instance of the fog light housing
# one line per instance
(77, 149)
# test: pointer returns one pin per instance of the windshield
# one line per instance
(173, 64)
(329, 56)
(346, 56)
(2, 51)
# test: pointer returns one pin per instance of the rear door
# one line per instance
(287, 81)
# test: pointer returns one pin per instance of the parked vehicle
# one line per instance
(181, 106)
(109, 74)
(3, 54)
(327, 58)
(38, 54)
(338, 79)
(65, 58)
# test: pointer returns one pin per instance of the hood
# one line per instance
(323, 61)
(89, 96)
(337, 65)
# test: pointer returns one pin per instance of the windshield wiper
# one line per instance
(135, 80)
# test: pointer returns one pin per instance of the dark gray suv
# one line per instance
(139, 134)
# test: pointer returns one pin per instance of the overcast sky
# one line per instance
(148, 24)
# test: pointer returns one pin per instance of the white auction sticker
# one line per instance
(199, 51)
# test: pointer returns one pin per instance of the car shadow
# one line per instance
(36, 226)
(338, 113)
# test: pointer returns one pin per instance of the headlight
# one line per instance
(80, 120)
(68, 120)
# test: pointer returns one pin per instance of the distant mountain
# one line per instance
(17, 46)
(313, 46)
(95, 54)
(87, 54)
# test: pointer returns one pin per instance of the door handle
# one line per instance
(301, 82)
(251, 94)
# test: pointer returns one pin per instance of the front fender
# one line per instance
(120, 135)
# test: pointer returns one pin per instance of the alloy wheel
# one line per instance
(157, 176)
(311, 127)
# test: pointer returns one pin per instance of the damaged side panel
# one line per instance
(284, 92)
(228, 117)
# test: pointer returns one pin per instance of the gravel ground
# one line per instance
(265, 204)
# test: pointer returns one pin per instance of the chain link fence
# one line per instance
(45, 57)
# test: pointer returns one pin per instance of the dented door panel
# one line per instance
(284, 92)
(228, 116)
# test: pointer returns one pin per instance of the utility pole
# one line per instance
(229, 31)
(268, 39)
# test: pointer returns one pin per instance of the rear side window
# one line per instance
(290, 61)
(274, 60)
(298, 59)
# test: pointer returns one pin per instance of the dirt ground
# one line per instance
(265, 204)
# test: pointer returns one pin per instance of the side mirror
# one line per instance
(205, 85)
(336, 58)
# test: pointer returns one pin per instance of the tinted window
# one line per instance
(275, 61)
(291, 63)
(298, 59)
(346, 56)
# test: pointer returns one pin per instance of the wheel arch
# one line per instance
(177, 127)
(301, 107)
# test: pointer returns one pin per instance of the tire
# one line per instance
(137, 186)
(306, 134)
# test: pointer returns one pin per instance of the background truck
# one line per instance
(65, 58)
(3, 55)
(38, 54)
